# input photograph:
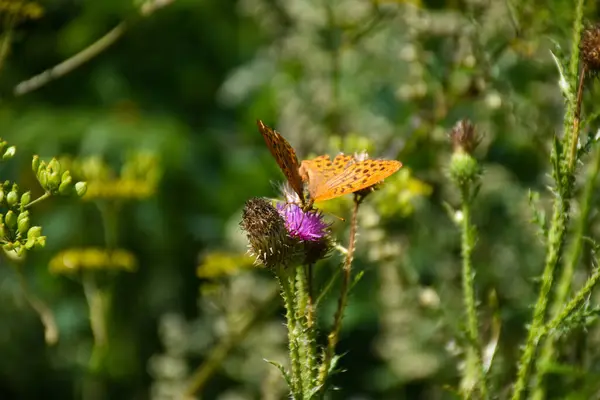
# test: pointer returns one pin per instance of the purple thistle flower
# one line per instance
(305, 225)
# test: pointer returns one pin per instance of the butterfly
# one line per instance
(326, 179)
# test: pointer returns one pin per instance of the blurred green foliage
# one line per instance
(161, 124)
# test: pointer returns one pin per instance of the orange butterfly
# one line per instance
(326, 179)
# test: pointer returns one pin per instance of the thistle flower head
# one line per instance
(464, 169)
(303, 225)
(285, 235)
(590, 48)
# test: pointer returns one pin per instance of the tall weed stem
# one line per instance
(564, 282)
(333, 337)
(474, 373)
(564, 175)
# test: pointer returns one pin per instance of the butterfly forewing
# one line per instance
(285, 156)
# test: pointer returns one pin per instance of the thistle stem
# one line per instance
(560, 215)
(474, 371)
(286, 282)
(333, 337)
(564, 283)
(306, 341)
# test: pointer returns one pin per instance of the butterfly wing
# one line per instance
(353, 177)
(285, 156)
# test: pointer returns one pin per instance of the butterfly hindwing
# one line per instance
(353, 177)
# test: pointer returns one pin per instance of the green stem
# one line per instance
(38, 200)
(564, 283)
(46, 315)
(561, 208)
(474, 371)
(333, 337)
(286, 282)
(307, 340)
(576, 302)
(555, 241)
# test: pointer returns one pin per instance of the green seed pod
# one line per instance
(30, 243)
(3, 232)
(25, 198)
(12, 198)
(66, 186)
(81, 188)
(35, 164)
(11, 219)
(9, 153)
(34, 232)
(23, 223)
(1, 195)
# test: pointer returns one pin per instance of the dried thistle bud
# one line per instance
(589, 48)
(464, 168)
(464, 137)
(267, 234)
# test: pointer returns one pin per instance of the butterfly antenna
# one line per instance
(337, 216)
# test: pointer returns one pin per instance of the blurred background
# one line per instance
(158, 116)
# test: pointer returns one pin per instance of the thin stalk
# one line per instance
(333, 337)
(566, 278)
(46, 315)
(576, 119)
(474, 371)
(203, 373)
(43, 197)
(72, 62)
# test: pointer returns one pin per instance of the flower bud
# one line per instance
(35, 164)
(23, 223)
(12, 198)
(3, 231)
(9, 153)
(267, 235)
(11, 219)
(464, 168)
(590, 48)
(25, 198)
(66, 186)
(81, 188)
(9, 246)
